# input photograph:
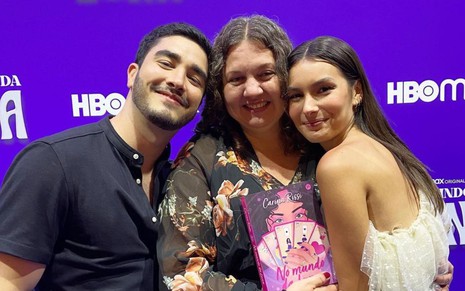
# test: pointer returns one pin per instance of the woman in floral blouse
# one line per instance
(244, 144)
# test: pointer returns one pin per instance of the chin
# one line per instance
(311, 138)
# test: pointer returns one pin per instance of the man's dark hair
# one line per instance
(176, 28)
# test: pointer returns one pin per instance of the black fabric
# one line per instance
(71, 201)
(195, 230)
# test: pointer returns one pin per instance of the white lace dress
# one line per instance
(408, 259)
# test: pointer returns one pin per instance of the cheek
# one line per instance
(272, 86)
(196, 95)
(295, 111)
(340, 108)
(331, 106)
(280, 103)
(339, 101)
(232, 97)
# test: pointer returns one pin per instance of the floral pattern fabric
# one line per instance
(203, 241)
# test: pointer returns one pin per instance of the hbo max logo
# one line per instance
(426, 91)
(96, 104)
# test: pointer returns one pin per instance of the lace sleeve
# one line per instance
(407, 259)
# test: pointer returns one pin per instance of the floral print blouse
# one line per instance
(203, 240)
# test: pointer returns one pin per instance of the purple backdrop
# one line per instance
(56, 51)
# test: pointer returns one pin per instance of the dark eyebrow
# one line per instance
(324, 80)
(199, 71)
(317, 83)
(266, 66)
(301, 206)
(282, 214)
(276, 213)
(169, 54)
(177, 58)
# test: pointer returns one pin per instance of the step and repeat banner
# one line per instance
(63, 63)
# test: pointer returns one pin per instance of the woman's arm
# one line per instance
(343, 193)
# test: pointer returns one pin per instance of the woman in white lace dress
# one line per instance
(384, 213)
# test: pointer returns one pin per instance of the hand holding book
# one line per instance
(290, 243)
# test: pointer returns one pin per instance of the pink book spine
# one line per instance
(254, 243)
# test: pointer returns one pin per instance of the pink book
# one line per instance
(288, 236)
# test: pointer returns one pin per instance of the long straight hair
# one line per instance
(369, 117)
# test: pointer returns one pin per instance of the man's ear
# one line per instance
(132, 73)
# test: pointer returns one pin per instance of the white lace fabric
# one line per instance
(408, 259)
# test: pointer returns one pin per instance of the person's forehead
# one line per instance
(177, 44)
(184, 48)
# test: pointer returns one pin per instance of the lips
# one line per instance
(256, 106)
(313, 123)
(172, 95)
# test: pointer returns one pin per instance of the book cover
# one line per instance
(287, 234)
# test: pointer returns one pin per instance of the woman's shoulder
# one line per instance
(340, 157)
(204, 144)
(200, 150)
(345, 162)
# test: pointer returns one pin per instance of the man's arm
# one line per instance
(18, 274)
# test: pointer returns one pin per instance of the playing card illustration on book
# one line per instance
(303, 230)
(265, 253)
(285, 237)
(269, 239)
(287, 233)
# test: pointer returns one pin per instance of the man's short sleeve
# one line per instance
(33, 204)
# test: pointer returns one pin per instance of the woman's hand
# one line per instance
(302, 256)
(316, 282)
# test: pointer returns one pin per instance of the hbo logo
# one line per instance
(96, 104)
(426, 91)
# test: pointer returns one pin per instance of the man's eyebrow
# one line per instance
(199, 71)
(177, 58)
(169, 54)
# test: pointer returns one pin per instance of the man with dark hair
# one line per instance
(78, 208)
